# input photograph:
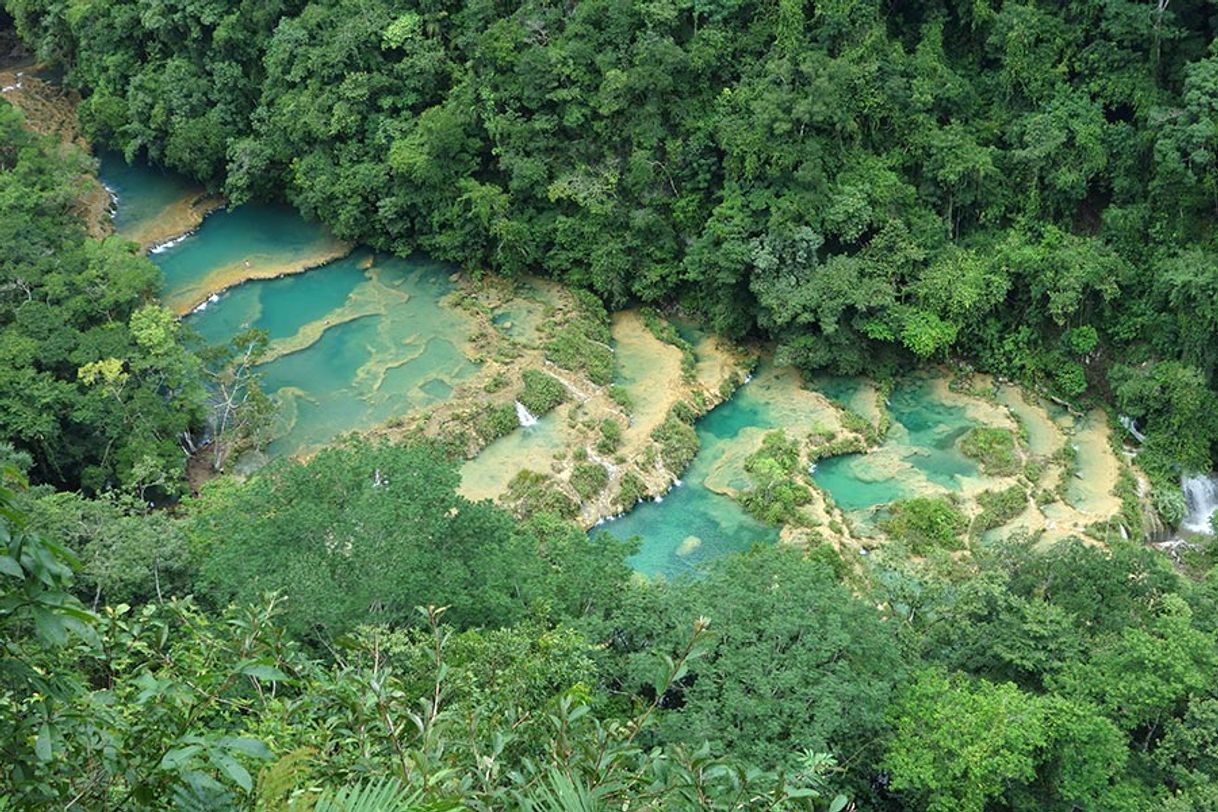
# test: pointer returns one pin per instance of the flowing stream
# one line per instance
(361, 339)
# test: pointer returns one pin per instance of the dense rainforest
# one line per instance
(1029, 187)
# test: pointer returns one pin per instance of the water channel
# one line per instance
(357, 339)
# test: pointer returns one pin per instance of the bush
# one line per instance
(999, 507)
(611, 436)
(542, 392)
(619, 395)
(993, 448)
(777, 494)
(678, 441)
(925, 523)
(583, 343)
(495, 382)
(630, 491)
(496, 421)
(588, 479)
(531, 492)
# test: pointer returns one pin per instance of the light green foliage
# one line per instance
(531, 492)
(582, 342)
(1179, 411)
(127, 554)
(542, 392)
(777, 493)
(621, 397)
(925, 524)
(993, 448)
(589, 479)
(630, 490)
(999, 507)
(958, 742)
(1142, 675)
(772, 685)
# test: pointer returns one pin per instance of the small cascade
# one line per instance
(1131, 426)
(1201, 496)
(527, 419)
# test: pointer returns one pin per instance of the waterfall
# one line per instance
(1131, 426)
(525, 417)
(1201, 495)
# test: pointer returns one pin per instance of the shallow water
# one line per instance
(692, 524)
(919, 455)
(487, 475)
(249, 242)
(351, 347)
(698, 521)
(145, 196)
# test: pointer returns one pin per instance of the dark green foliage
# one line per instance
(127, 555)
(1029, 185)
(677, 438)
(925, 524)
(993, 448)
(359, 533)
(95, 384)
(777, 492)
(588, 479)
(774, 684)
(542, 392)
(866, 185)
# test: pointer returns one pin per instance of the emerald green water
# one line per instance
(143, 193)
(232, 244)
(919, 454)
(353, 343)
(692, 525)
(310, 297)
(351, 347)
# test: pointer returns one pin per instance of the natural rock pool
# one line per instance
(358, 340)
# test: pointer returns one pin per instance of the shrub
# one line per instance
(619, 395)
(999, 507)
(630, 491)
(993, 448)
(678, 441)
(583, 343)
(588, 479)
(531, 492)
(611, 436)
(777, 494)
(542, 392)
(925, 523)
(496, 421)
